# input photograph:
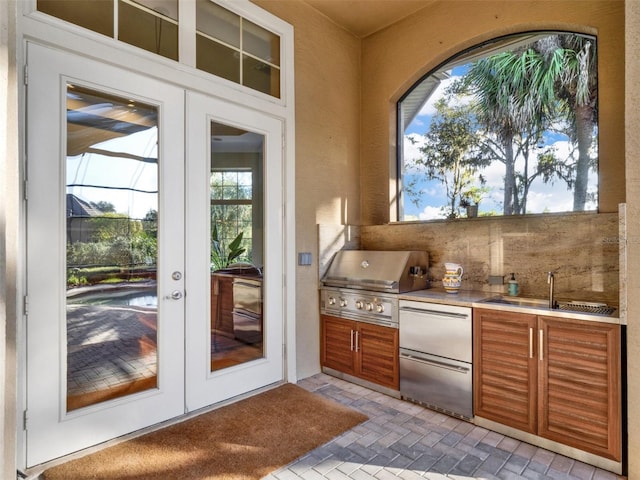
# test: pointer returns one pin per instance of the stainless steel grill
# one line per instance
(364, 284)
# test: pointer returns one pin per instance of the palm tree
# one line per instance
(576, 86)
(520, 93)
(512, 96)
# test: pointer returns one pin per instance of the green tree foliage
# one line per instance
(452, 153)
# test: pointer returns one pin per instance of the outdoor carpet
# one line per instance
(244, 440)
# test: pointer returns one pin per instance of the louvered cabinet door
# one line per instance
(378, 355)
(505, 368)
(579, 385)
(338, 344)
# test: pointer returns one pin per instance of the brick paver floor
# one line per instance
(404, 440)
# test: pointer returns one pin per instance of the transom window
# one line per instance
(507, 128)
(226, 44)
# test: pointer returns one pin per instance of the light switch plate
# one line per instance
(304, 258)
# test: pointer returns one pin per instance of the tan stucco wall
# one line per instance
(632, 146)
(327, 84)
(395, 58)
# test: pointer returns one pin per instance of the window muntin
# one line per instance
(545, 157)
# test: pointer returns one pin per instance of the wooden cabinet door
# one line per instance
(505, 368)
(222, 304)
(338, 344)
(579, 385)
(377, 359)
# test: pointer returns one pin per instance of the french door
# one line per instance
(123, 175)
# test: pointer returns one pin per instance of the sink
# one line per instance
(518, 301)
(571, 306)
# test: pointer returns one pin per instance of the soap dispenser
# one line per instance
(513, 285)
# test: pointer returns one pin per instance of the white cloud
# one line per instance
(431, 213)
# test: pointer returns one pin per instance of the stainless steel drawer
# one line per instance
(441, 330)
(437, 382)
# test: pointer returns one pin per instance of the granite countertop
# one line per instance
(475, 299)
(464, 298)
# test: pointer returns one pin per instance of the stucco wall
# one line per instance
(632, 120)
(327, 83)
(395, 58)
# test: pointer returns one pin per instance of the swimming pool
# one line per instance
(117, 296)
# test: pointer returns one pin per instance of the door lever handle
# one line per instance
(175, 295)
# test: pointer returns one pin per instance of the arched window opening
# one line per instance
(507, 128)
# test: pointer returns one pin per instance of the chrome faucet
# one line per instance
(550, 281)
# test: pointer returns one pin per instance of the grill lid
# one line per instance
(377, 270)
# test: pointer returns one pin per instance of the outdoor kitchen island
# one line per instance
(552, 378)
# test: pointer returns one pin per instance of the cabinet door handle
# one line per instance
(541, 332)
(530, 342)
(356, 340)
(352, 340)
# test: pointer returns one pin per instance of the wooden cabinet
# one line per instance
(505, 370)
(553, 377)
(579, 385)
(222, 303)
(361, 349)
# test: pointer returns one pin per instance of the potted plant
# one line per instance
(470, 199)
(221, 259)
(472, 209)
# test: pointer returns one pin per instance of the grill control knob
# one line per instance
(369, 307)
(343, 302)
(359, 304)
(379, 308)
(332, 300)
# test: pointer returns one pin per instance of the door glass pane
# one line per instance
(112, 214)
(236, 246)
(152, 25)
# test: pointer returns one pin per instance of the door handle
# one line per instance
(175, 295)
(531, 342)
(541, 344)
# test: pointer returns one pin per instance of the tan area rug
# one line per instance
(245, 440)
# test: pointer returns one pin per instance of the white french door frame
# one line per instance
(52, 431)
(204, 387)
(38, 28)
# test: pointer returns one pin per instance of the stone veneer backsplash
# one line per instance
(581, 249)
